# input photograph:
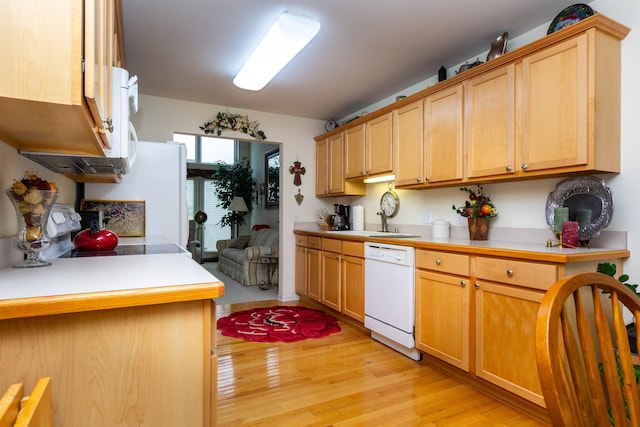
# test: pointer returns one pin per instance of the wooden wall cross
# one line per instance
(297, 170)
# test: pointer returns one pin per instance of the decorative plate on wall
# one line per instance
(589, 201)
(570, 15)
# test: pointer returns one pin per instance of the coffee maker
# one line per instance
(341, 217)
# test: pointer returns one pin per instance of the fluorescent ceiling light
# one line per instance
(288, 36)
(382, 178)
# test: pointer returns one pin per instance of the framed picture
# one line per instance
(126, 218)
(272, 177)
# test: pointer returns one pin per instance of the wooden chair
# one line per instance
(583, 353)
(35, 410)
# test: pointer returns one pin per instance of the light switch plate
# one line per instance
(426, 218)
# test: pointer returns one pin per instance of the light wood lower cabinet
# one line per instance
(301, 265)
(353, 280)
(137, 366)
(505, 338)
(331, 286)
(443, 294)
(478, 313)
(331, 271)
(314, 267)
(442, 317)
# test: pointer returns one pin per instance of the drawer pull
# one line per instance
(438, 261)
(510, 272)
(476, 285)
(463, 283)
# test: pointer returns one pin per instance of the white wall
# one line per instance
(521, 204)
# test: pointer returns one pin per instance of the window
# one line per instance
(202, 153)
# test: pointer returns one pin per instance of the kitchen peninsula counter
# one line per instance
(126, 340)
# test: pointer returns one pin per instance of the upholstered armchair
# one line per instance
(240, 258)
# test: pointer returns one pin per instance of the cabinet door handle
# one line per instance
(337, 256)
(509, 168)
(476, 285)
(418, 179)
(109, 124)
(438, 261)
(510, 272)
(361, 172)
(426, 178)
(463, 283)
(524, 166)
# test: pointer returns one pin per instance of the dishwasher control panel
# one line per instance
(394, 254)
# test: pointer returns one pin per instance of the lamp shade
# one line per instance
(238, 205)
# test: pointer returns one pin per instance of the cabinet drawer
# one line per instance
(314, 242)
(301, 240)
(353, 248)
(332, 245)
(521, 273)
(443, 262)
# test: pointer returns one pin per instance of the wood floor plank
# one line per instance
(345, 379)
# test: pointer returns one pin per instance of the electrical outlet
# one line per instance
(461, 220)
(426, 218)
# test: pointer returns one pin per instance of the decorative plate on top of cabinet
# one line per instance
(570, 15)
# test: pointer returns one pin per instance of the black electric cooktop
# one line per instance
(141, 249)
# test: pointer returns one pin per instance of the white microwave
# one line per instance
(120, 157)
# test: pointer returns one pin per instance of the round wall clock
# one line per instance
(389, 203)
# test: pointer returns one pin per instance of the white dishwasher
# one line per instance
(389, 296)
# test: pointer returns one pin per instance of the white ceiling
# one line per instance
(366, 50)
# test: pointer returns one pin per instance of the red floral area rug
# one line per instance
(279, 323)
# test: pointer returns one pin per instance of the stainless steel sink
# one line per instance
(365, 233)
(393, 235)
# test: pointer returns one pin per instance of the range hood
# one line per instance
(121, 156)
(80, 165)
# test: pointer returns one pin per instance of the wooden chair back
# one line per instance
(35, 410)
(585, 361)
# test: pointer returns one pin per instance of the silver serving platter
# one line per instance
(585, 192)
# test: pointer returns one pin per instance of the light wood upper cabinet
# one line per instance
(555, 118)
(368, 148)
(548, 108)
(98, 56)
(408, 137)
(489, 123)
(47, 101)
(379, 147)
(330, 177)
(443, 135)
(354, 152)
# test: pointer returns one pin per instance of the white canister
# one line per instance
(440, 229)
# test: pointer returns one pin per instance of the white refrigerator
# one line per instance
(158, 176)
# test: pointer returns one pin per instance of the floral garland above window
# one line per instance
(234, 122)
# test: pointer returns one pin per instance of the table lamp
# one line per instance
(237, 205)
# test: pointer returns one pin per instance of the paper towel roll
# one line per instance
(357, 215)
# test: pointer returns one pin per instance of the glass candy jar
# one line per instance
(32, 208)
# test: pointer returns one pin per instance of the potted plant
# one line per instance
(232, 180)
(478, 210)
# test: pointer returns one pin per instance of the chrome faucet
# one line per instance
(383, 217)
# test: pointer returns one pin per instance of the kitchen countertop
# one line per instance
(511, 249)
(97, 283)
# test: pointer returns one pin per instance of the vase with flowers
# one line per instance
(479, 210)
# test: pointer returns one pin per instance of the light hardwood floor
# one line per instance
(346, 379)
